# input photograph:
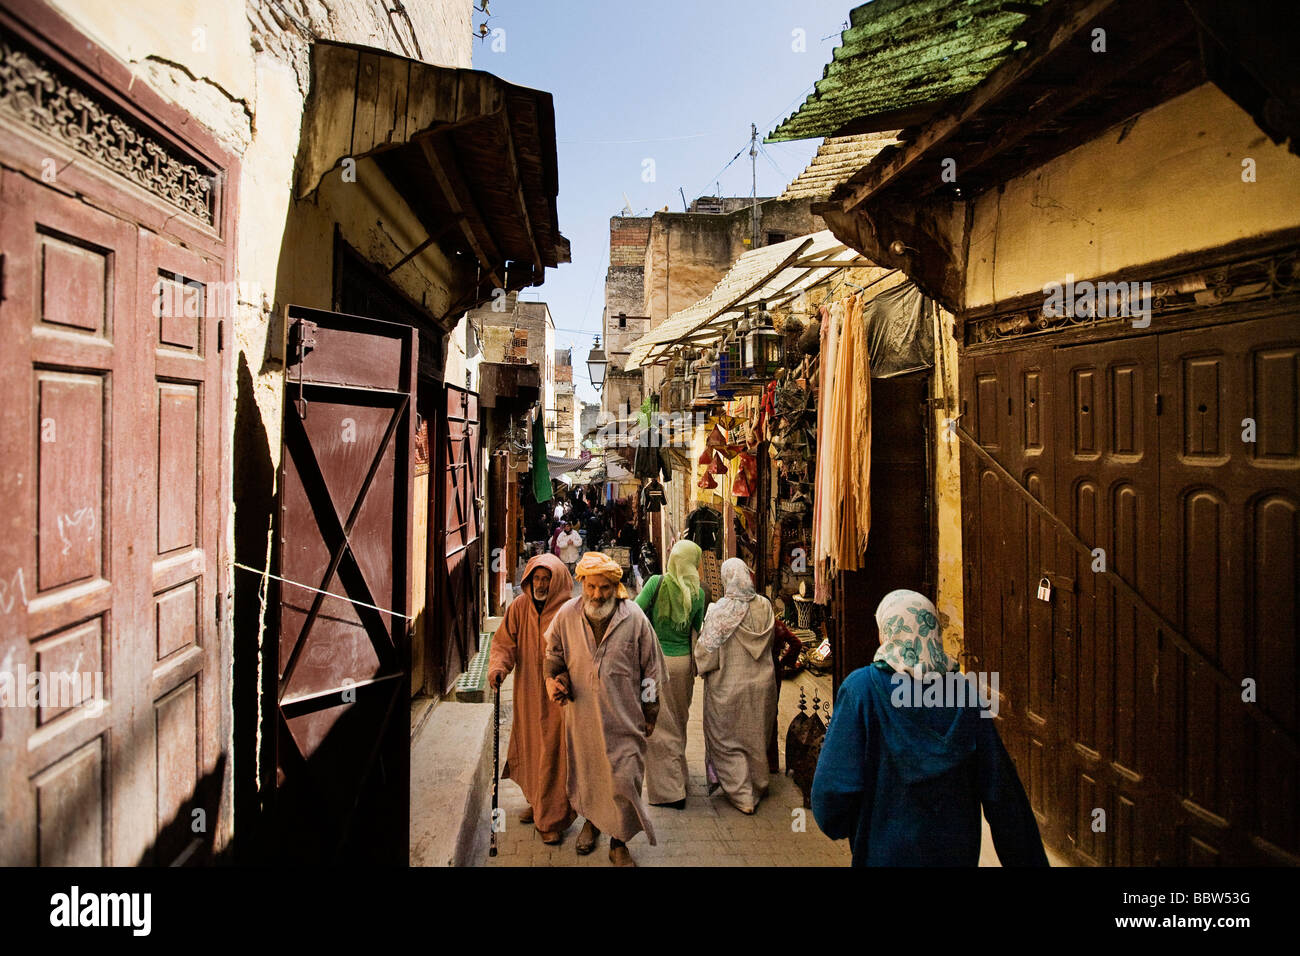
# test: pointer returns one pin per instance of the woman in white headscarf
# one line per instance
(734, 655)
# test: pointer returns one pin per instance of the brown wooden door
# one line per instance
(457, 547)
(110, 424)
(1139, 445)
(1008, 548)
(1107, 491)
(343, 759)
(1230, 530)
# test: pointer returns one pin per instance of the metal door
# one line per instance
(456, 564)
(343, 760)
(110, 426)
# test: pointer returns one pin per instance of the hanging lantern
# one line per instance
(764, 348)
(739, 371)
(724, 370)
(704, 393)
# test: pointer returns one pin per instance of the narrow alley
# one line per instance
(928, 371)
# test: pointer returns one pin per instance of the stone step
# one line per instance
(471, 686)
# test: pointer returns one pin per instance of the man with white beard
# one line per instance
(605, 667)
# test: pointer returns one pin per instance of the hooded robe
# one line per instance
(734, 656)
(536, 757)
(615, 686)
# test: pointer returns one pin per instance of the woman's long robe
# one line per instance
(740, 704)
(536, 758)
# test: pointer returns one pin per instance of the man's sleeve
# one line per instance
(504, 645)
(843, 781)
(1006, 806)
(653, 669)
(555, 662)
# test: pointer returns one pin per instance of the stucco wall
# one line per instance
(947, 486)
(1170, 184)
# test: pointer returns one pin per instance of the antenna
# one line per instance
(753, 165)
(627, 206)
(682, 190)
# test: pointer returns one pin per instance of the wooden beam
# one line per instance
(512, 160)
(1061, 22)
(785, 264)
(452, 184)
(1061, 99)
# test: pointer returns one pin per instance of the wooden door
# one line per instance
(902, 519)
(110, 425)
(1230, 530)
(1107, 491)
(343, 758)
(1009, 549)
(456, 564)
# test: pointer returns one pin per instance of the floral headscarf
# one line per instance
(679, 584)
(909, 635)
(725, 615)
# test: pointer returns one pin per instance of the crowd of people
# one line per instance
(603, 690)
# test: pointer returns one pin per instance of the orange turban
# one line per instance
(602, 566)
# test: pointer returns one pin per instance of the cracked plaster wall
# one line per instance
(1168, 184)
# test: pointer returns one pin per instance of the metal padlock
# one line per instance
(1044, 589)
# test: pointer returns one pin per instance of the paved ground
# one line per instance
(709, 832)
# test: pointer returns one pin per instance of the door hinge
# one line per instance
(1160, 404)
(2, 276)
(221, 337)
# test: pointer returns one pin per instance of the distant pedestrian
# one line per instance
(734, 654)
(569, 542)
(906, 780)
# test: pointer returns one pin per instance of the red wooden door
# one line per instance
(455, 564)
(110, 551)
(343, 760)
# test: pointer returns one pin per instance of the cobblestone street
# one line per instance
(709, 832)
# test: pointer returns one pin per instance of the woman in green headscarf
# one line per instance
(674, 602)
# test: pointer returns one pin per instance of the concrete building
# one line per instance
(662, 263)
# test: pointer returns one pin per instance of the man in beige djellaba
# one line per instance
(734, 656)
(604, 666)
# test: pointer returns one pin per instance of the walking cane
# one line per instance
(496, 764)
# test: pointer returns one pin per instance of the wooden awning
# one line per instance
(473, 155)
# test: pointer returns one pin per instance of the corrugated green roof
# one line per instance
(899, 59)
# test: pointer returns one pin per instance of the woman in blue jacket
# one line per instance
(906, 767)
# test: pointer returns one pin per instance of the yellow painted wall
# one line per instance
(947, 486)
(1172, 184)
